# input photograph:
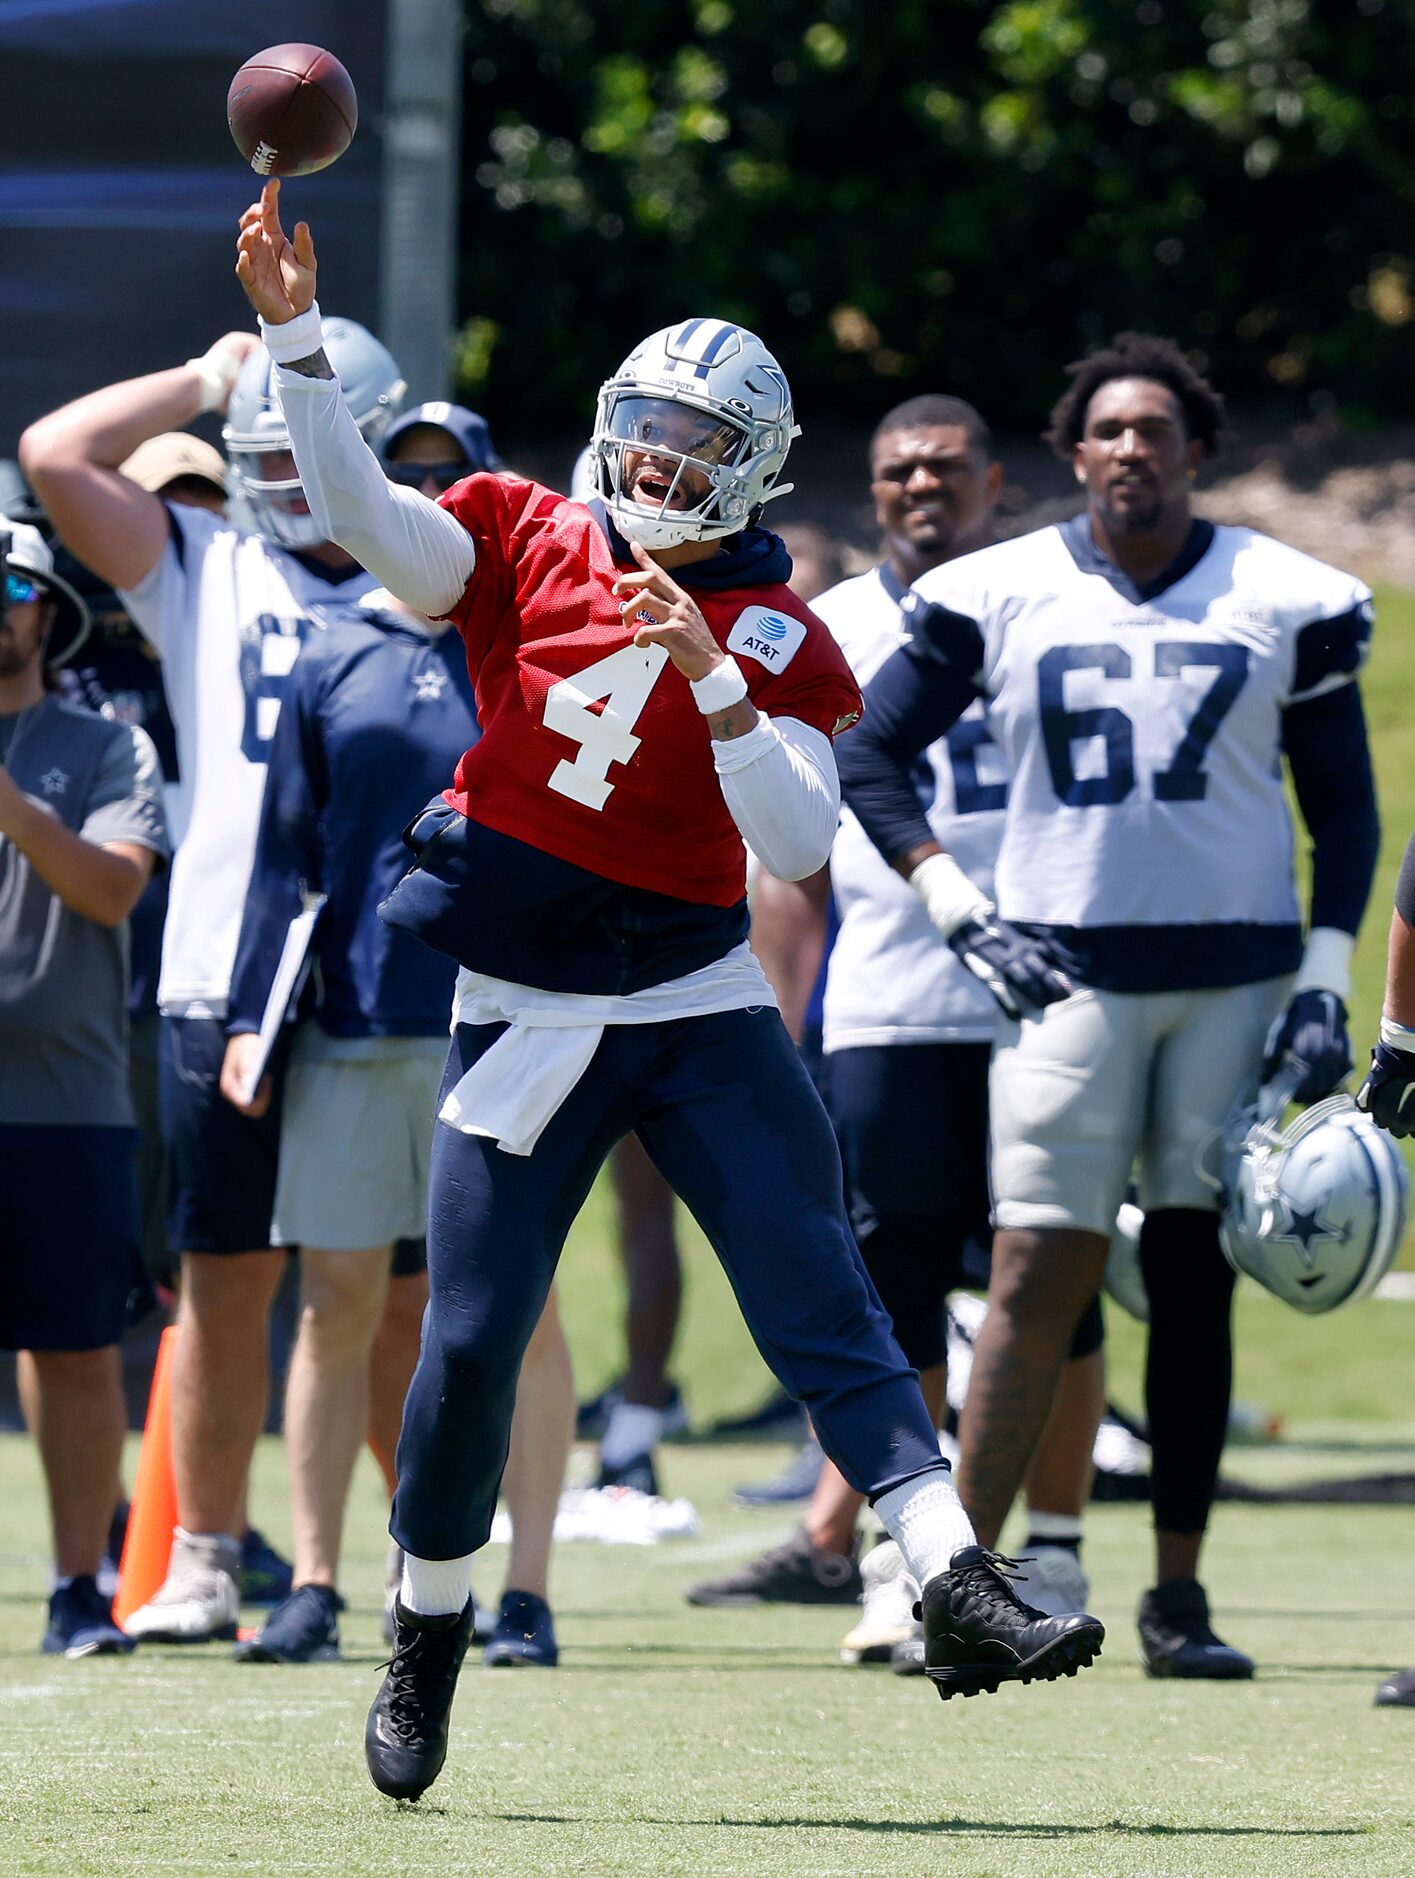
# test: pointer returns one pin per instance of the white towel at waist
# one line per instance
(513, 1091)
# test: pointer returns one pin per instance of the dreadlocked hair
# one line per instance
(1137, 355)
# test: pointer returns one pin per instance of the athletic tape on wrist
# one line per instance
(216, 381)
(1326, 962)
(948, 894)
(1397, 1036)
(299, 338)
(723, 687)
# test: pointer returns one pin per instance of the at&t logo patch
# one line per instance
(769, 638)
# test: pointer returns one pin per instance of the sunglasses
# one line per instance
(18, 590)
(414, 475)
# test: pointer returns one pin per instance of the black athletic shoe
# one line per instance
(405, 1742)
(81, 1623)
(1397, 1691)
(524, 1634)
(979, 1634)
(266, 1577)
(639, 1474)
(1176, 1638)
(794, 1573)
(302, 1629)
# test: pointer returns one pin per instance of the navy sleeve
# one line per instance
(1330, 651)
(1324, 739)
(288, 857)
(915, 697)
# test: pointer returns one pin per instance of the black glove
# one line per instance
(1311, 1034)
(1388, 1093)
(1019, 971)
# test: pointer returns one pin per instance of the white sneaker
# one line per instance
(888, 1617)
(1051, 1580)
(200, 1598)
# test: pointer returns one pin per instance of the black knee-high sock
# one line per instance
(1189, 1368)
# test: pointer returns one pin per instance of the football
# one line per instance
(292, 110)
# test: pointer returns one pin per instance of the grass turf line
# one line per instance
(710, 1742)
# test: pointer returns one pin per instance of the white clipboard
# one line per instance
(285, 986)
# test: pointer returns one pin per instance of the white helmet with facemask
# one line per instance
(373, 389)
(710, 407)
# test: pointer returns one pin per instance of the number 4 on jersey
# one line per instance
(624, 681)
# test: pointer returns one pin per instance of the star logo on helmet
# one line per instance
(1306, 1232)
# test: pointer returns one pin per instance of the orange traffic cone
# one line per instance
(153, 1516)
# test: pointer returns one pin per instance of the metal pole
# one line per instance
(421, 167)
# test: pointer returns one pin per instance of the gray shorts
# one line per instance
(1105, 1080)
(355, 1140)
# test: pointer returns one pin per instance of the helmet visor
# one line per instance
(679, 430)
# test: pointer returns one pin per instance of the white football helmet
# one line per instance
(1314, 1212)
(710, 406)
(373, 389)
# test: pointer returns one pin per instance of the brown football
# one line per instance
(292, 110)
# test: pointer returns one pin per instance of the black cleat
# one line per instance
(405, 1742)
(1177, 1640)
(979, 1634)
(1397, 1691)
(640, 1475)
(796, 1572)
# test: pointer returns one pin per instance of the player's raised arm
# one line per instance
(71, 458)
(418, 550)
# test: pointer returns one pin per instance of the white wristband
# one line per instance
(1326, 962)
(723, 687)
(1397, 1036)
(216, 370)
(948, 894)
(299, 338)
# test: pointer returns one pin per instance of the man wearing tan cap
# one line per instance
(179, 468)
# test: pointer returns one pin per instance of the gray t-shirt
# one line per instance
(64, 978)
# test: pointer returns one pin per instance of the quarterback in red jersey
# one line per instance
(650, 697)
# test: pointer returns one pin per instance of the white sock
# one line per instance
(436, 1587)
(925, 1519)
(1049, 1528)
(633, 1430)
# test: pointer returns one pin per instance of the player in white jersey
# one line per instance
(226, 608)
(908, 1031)
(1146, 672)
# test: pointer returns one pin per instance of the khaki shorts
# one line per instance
(1105, 1080)
(355, 1142)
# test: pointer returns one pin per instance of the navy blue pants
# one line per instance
(730, 1118)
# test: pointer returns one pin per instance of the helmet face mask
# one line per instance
(691, 434)
(255, 428)
(1314, 1212)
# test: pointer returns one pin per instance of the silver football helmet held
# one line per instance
(691, 434)
(255, 429)
(1315, 1211)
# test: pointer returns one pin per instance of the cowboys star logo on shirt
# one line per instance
(55, 782)
(428, 687)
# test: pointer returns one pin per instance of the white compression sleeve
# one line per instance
(782, 790)
(419, 551)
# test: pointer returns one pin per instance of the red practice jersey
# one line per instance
(592, 748)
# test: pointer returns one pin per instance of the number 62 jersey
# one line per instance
(1147, 827)
(592, 748)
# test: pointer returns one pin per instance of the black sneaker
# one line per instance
(1176, 1638)
(794, 1573)
(1397, 1691)
(524, 1634)
(304, 1629)
(797, 1481)
(81, 1623)
(639, 1474)
(405, 1742)
(979, 1634)
(266, 1577)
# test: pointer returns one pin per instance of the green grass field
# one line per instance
(676, 1741)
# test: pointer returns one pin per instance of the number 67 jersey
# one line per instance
(1147, 828)
(592, 749)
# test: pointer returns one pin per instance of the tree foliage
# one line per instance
(941, 194)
